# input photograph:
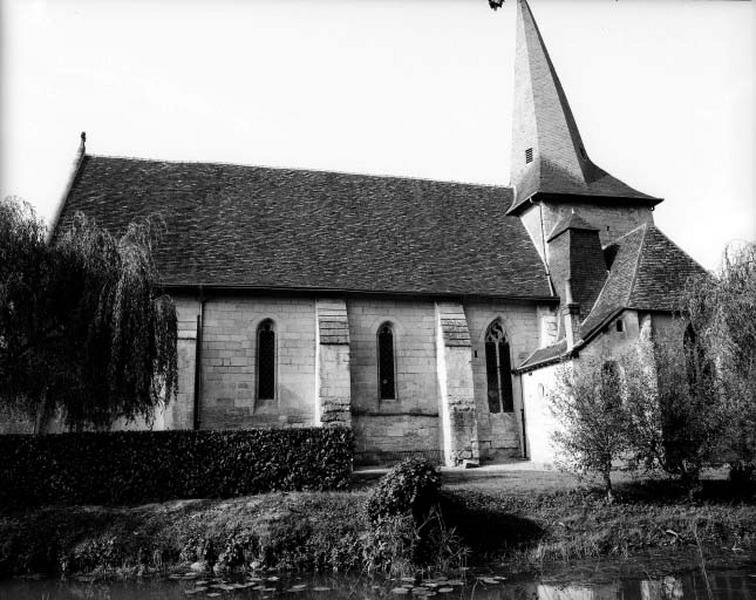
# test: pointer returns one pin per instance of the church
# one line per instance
(428, 316)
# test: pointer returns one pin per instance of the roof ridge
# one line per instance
(608, 279)
(631, 287)
(296, 169)
(598, 297)
(676, 245)
(624, 235)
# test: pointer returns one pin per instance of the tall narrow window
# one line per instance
(386, 379)
(266, 361)
(498, 370)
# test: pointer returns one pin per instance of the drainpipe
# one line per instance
(543, 248)
(198, 359)
(522, 419)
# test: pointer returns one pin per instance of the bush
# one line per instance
(589, 402)
(411, 487)
(143, 466)
(406, 526)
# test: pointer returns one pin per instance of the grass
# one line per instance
(301, 531)
(556, 519)
(526, 520)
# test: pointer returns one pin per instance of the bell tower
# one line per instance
(551, 173)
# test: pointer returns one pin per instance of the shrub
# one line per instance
(589, 405)
(411, 487)
(142, 466)
(406, 526)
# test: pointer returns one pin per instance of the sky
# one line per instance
(662, 91)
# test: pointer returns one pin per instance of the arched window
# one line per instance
(386, 378)
(498, 370)
(266, 360)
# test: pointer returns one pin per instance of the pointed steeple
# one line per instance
(548, 154)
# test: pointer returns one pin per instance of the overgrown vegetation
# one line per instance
(534, 529)
(722, 316)
(677, 405)
(331, 531)
(85, 332)
(591, 401)
(131, 467)
(406, 527)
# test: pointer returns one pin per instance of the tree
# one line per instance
(722, 315)
(590, 403)
(672, 427)
(83, 327)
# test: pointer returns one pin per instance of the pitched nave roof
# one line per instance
(258, 227)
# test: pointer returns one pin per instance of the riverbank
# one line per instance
(500, 519)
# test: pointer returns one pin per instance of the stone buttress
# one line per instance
(333, 363)
(457, 399)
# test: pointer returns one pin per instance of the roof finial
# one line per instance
(83, 144)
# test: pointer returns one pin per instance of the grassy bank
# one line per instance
(500, 519)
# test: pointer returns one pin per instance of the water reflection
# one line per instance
(726, 585)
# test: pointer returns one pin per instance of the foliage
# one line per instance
(316, 532)
(389, 545)
(722, 315)
(411, 487)
(83, 329)
(590, 401)
(140, 466)
(674, 427)
(406, 525)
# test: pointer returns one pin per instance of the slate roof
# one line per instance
(543, 122)
(648, 272)
(257, 227)
(544, 356)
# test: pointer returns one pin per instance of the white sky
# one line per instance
(663, 92)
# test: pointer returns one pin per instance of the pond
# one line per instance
(726, 584)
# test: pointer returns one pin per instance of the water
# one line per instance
(725, 584)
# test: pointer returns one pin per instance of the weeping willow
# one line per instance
(85, 331)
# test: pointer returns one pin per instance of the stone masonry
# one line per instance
(457, 398)
(334, 391)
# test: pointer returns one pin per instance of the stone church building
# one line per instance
(428, 316)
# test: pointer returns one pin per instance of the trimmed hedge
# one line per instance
(130, 467)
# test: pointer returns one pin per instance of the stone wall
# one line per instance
(539, 421)
(327, 371)
(390, 429)
(638, 331)
(612, 221)
(228, 363)
(457, 397)
(500, 434)
(333, 363)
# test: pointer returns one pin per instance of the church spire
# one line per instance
(548, 154)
